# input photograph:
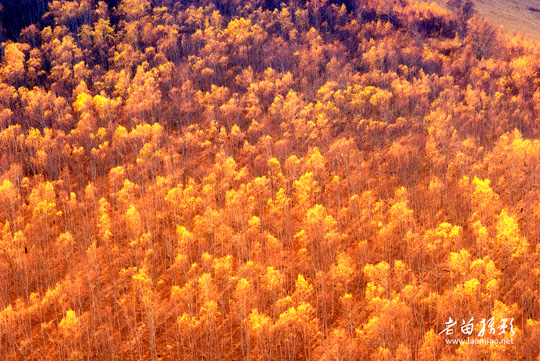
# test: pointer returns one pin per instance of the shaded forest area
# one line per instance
(18, 14)
(226, 180)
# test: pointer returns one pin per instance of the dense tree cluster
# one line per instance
(264, 180)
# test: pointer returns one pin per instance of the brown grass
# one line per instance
(514, 16)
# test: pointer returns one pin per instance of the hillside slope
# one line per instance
(514, 16)
(264, 180)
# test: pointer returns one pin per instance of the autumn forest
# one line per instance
(266, 180)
